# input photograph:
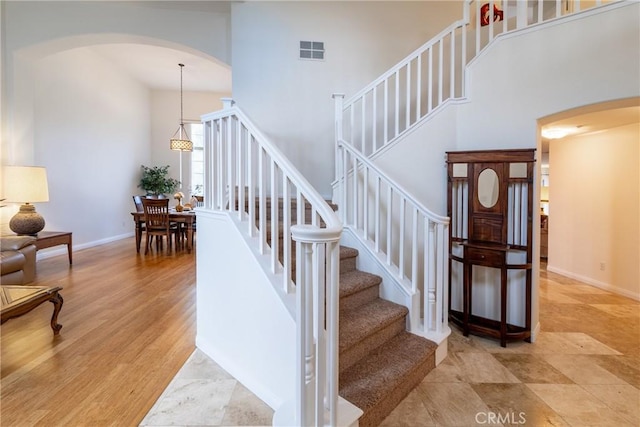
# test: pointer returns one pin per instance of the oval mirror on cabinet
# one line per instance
(488, 188)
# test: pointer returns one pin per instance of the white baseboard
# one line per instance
(62, 250)
(595, 283)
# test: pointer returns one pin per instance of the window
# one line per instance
(197, 159)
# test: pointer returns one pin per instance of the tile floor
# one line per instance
(583, 370)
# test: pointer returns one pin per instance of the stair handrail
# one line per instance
(427, 233)
(241, 166)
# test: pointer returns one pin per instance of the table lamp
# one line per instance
(26, 184)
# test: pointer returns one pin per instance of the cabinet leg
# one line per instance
(466, 300)
(503, 307)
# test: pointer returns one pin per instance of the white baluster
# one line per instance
(396, 105)
(363, 131)
(419, 88)
(408, 100)
(452, 65)
(377, 208)
(430, 84)
(365, 202)
(440, 70)
(385, 138)
(274, 216)
(374, 120)
(402, 230)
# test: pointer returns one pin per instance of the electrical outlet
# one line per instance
(602, 266)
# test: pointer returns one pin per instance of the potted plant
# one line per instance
(156, 181)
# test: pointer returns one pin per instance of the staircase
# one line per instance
(350, 344)
(380, 362)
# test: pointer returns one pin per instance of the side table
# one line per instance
(18, 300)
(47, 239)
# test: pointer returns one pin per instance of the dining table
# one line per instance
(188, 218)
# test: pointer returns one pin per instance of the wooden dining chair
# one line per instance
(156, 218)
(137, 200)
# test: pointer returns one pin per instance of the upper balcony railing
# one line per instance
(434, 73)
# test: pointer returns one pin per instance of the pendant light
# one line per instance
(182, 142)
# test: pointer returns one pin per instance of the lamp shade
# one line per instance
(25, 184)
(181, 144)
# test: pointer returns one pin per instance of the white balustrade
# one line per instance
(412, 241)
(247, 176)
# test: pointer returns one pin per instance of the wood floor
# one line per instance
(128, 327)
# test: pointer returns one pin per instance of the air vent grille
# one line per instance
(311, 50)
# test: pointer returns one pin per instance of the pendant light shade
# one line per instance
(180, 144)
(180, 140)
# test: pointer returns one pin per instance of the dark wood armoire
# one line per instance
(490, 203)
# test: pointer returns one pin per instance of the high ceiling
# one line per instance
(157, 67)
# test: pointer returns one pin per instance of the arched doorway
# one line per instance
(92, 109)
(592, 206)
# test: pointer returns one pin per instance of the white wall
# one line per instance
(594, 194)
(90, 140)
(423, 153)
(290, 99)
(243, 324)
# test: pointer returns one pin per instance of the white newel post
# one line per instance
(227, 103)
(305, 379)
(317, 351)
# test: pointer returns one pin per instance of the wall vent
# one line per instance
(311, 50)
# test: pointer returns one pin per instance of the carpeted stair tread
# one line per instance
(356, 281)
(347, 252)
(381, 380)
(358, 324)
(348, 258)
